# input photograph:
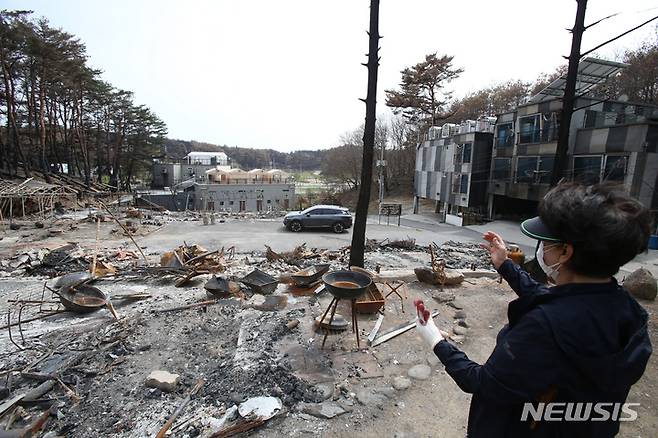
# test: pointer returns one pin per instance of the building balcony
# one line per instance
(506, 142)
(538, 136)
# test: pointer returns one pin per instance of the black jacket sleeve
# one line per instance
(519, 280)
(522, 367)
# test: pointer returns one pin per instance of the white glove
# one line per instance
(429, 332)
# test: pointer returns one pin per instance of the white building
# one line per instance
(207, 158)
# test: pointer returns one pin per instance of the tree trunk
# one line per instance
(560, 163)
(11, 117)
(42, 127)
(357, 251)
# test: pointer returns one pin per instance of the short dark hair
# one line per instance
(606, 227)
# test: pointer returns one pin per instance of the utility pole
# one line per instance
(357, 250)
(560, 163)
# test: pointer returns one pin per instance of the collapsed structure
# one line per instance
(201, 341)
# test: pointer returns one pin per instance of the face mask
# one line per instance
(551, 271)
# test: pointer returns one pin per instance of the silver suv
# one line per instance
(319, 216)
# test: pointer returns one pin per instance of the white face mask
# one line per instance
(551, 271)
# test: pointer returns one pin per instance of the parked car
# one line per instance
(319, 216)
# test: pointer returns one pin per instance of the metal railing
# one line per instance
(538, 136)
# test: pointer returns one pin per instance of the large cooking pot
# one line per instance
(348, 285)
(82, 299)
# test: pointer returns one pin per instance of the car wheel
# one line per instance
(338, 228)
(296, 226)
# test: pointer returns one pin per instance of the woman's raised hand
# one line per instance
(496, 248)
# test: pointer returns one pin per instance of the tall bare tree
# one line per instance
(357, 251)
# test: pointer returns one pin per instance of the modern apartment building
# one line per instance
(452, 168)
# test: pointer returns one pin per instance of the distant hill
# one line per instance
(248, 158)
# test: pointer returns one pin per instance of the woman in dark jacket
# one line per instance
(570, 352)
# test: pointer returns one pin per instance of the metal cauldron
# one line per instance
(82, 299)
(337, 282)
(308, 276)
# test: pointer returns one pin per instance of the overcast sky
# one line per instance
(286, 74)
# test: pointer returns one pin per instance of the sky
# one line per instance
(287, 74)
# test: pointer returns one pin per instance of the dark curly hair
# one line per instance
(606, 227)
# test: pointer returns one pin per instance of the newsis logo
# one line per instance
(579, 411)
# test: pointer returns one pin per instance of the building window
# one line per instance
(269, 201)
(466, 153)
(549, 131)
(456, 183)
(259, 205)
(615, 168)
(502, 168)
(504, 135)
(529, 129)
(230, 203)
(526, 167)
(457, 156)
(221, 202)
(587, 170)
(590, 118)
(464, 184)
(545, 169)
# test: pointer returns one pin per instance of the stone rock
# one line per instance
(368, 397)
(458, 339)
(460, 314)
(326, 390)
(453, 277)
(463, 323)
(456, 304)
(327, 409)
(432, 359)
(162, 380)
(420, 372)
(348, 405)
(641, 284)
(406, 275)
(459, 330)
(426, 275)
(256, 300)
(443, 297)
(401, 383)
